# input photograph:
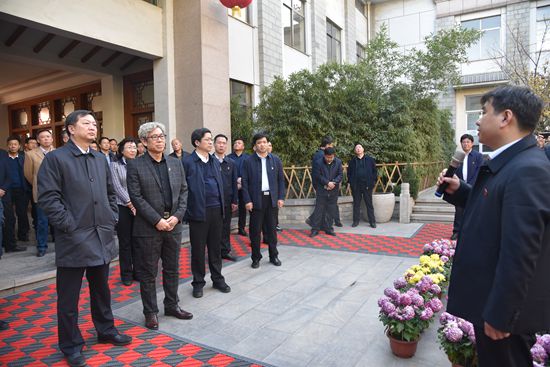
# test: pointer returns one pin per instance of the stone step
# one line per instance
(432, 218)
(434, 209)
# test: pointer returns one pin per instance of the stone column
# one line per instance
(405, 204)
(112, 101)
(318, 33)
(270, 40)
(351, 37)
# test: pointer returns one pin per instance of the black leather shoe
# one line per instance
(279, 229)
(229, 257)
(373, 225)
(222, 287)
(197, 292)
(127, 282)
(40, 253)
(4, 325)
(179, 313)
(75, 359)
(255, 264)
(16, 249)
(152, 321)
(331, 233)
(242, 232)
(118, 339)
(355, 224)
(338, 224)
(313, 233)
(454, 236)
(275, 261)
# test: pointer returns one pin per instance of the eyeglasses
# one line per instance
(157, 137)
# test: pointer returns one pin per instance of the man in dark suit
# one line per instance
(177, 150)
(158, 191)
(16, 200)
(5, 182)
(328, 175)
(467, 171)
(362, 176)
(76, 193)
(205, 212)
(230, 200)
(263, 193)
(500, 272)
(238, 156)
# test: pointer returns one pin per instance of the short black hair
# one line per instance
(103, 138)
(220, 136)
(198, 134)
(41, 131)
(112, 139)
(330, 151)
(29, 138)
(467, 136)
(239, 138)
(258, 136)
(64, 132)
(74, 116)
(524, 104)
(123, 143)
(13, 137)
(326, 140)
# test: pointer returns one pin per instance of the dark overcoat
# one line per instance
(474, 162)
(145, 192)
(502, 262)
(229, 178)
(372, 173)
(76, 192)
(252, 180)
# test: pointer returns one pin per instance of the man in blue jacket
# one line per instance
(205, 212)
(467, 171)
(499, 280)
(238, 156)
(263, 188)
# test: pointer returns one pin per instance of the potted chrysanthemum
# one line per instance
(406, 311)
(457, 338)
(541, 351)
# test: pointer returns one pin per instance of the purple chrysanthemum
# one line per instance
(400, 283)
(444, 258)
(382, 300)
(408, 313)
(417, 300)
(435, 304)
(545, 342)
(391, 293)
(539, 354)
(388, 308)
(435, 289)
(446, 317)
(465, 326)
(453, 334)
(427, 314)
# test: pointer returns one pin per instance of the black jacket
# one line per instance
(229, 178)
(252, 180)
(371, 173)
(474, 162)
(196, 201)
(324, 173)
(76, 193)
(144, 188)
(502, 263)
(5, 178)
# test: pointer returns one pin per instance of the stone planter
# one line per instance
(383, 207)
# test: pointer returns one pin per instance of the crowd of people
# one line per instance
(133, 188)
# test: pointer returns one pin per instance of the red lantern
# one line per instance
(236, 5)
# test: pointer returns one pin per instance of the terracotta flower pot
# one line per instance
(402, 348)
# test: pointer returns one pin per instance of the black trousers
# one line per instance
(69, 282)
(242, 212)
(513, 351)
(126, 249)
(16, 203)
(267, 214)
(362, 192)
(326, 207)
(208, 235)
(459, 212)
(225, 243)
(166, 247)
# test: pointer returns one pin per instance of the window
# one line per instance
(473, 111)
(242, 15)
(543, 28)
(359, 51)
(360, 6)
(489, 42)
(242, 92)
(334, 51)
(294, 27)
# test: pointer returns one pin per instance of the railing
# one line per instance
(299, 186)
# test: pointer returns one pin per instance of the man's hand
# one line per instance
(280, 203)
(331, 185)
(248, 206)
(163, 225)
(2, 193)
(493, 333)
(172, 221)
(453, 182)
(234, 207)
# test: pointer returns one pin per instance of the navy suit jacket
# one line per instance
(547, 150)
(5, 178)
(324, 173)
(502, 262)
(475, 160)
(252, 180)
(229, 178)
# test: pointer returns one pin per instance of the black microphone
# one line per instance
(456, 161)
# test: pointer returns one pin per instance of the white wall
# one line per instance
(294, 60)
(132, 24)
(361, 31)
(242, 51)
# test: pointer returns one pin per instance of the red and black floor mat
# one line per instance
(32, 337)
